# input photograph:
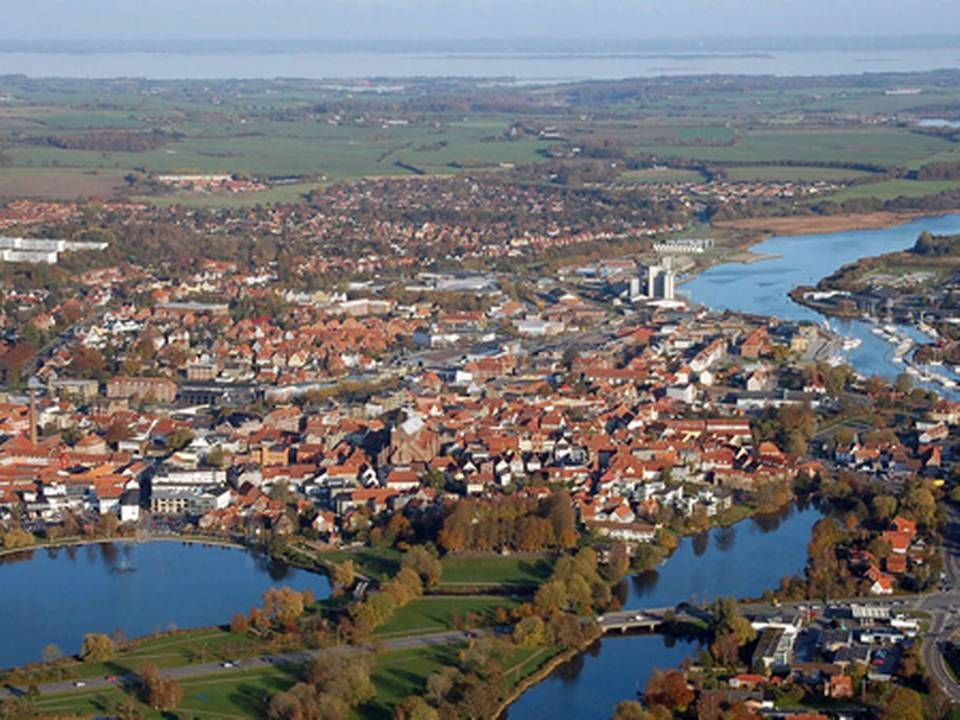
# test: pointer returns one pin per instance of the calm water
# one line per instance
(762, 287)
(589, 686)
(737, 561)
(723, 561)
(56, 596)
(530, 67)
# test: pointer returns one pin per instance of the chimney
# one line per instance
(33, 416)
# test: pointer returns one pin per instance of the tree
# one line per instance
(344, 575)
(159, 692)
(618, 563)
(883, 507)
(551, 597)
(530, 632)
(97, 648)
(51, 653)
(904, 704)
(668, 688)
(425, 563)
(630, 710)
(415, 708)
(239, 623)
(283, 605)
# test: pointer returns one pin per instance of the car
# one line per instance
(600, 618)
(110, 678)
(638, 616)
(79, 683)
(226, 664)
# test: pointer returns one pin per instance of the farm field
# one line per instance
(890, 189)
(888, 147)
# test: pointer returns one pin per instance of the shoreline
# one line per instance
(796, 225)
(81, 542)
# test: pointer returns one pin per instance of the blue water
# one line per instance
(762, 287)
(742, 561)
(56, 596)
(589, 686)
(728, 561)
(524, 66)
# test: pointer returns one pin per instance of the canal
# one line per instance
(55, 596)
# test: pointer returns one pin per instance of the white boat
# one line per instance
(852, 343)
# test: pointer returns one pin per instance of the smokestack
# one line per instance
(33, 416)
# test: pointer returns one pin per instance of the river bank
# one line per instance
(81, 542)
(766, 227)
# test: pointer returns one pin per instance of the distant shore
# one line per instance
(824, 224)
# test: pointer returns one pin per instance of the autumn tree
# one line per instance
(97, 648)
(904, 704)
(159, 692)
(415, 708)
(344, 575)
(630, 710)
(283, 605)
(239, 623)
(423, 561)
(668, 688)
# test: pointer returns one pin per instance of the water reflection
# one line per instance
(725, 537)
(701, 542)
(129, 588)
(591, 684)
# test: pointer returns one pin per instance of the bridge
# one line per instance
(649, 619)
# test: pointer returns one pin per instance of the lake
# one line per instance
(546, 67)
(742, 560)
(58, 595)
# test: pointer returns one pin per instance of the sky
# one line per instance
(415, 20)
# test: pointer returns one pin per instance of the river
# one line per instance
(57, 595)
(761, 287)
(752, 556)
(735, 561)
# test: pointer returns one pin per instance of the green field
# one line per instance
(659, 176)
(435, 613)
(787, 173)
(247, 694)
(494, 570)
(890, 189)
(888, 147)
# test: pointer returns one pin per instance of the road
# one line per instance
(186, 672)
(942, 608)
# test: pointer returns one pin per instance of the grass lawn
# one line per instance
(237, 695)
(379, 563)
(246, 694)
(183, 648)
(434, 613)
(494, 571)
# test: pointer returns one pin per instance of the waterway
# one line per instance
(761, 287)
(528, 67)
(740, 561)
(752, 556)
(55, 596)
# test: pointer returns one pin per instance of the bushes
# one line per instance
(373, 612)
